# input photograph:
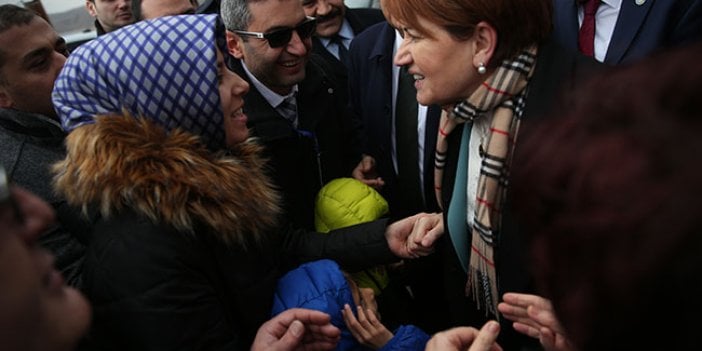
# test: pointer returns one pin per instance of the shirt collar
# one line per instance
(346, 34)
(271, 96)
(617, 4)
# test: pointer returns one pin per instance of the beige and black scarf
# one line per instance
(502, 93)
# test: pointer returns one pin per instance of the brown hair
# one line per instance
(11, 16)
(609, 194)
(519, 23)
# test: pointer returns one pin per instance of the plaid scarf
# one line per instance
(502, 93)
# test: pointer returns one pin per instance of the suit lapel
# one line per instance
(354, 21)
(565, 17)
(631, 18)
(382, 52)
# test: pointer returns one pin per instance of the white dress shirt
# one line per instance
(421, 119)
(605, 21)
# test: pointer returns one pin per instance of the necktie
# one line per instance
(343, 52)
(586, 35)
(406, 136)
(288, 109)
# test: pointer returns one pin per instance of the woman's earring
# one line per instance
(481, 68)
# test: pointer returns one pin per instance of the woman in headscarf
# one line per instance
(186, 248)
(490, 65)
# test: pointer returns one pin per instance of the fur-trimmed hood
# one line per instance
(170, 177)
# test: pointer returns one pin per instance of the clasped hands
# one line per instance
(414, 236)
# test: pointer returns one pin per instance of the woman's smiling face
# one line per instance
(232, 89)
(441, 65)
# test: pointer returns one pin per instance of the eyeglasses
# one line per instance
(281, 37)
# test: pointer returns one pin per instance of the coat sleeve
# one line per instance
(354, 248)
(407, 338)
(150, 292)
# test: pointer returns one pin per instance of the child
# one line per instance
(323, 286)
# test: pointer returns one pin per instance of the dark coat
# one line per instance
(370, 100)
(30, 144)
(186, 247)
(359, 19)
(557, 70)
(325, 145)
(640, 29)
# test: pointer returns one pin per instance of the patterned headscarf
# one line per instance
(163, 69)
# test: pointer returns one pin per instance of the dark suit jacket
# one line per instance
(324, 146)
(370, 100)
(557, 70)
(640, 29)
(359, 19)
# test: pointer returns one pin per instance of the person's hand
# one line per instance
(297, 329)
(406, 235)
(26, 214)
(365, 172)
(466, 338)
(427, 229)
(367, 329)
(534, 316)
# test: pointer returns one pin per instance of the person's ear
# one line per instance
(90, 6)
(235, 45)
(484, 42)
(5, 99)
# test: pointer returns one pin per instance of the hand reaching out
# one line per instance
(427, 229)
(414, 236)
(466, 338)
(534, 316)
(367, 329)
(297, 329)
(365, 172)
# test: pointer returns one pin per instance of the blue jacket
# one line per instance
(321, 286)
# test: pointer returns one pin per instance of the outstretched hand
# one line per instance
(297, 329)
(534, 316)
(414, 236)
(466, 338)
(366, 173)
(367, 329)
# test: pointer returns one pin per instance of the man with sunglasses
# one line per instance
(294, 106)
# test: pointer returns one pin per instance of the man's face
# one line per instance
(34, 55)
(277, 68)
(112, 14)
(37, 310)
(159, 8)
(329, 14)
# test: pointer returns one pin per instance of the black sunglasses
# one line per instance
(281, 37)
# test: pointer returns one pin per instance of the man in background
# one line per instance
(149, 9)
(337, 25)
(31, 137)
(618, 31)
(110, 14)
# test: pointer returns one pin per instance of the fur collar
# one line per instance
(170, 177)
